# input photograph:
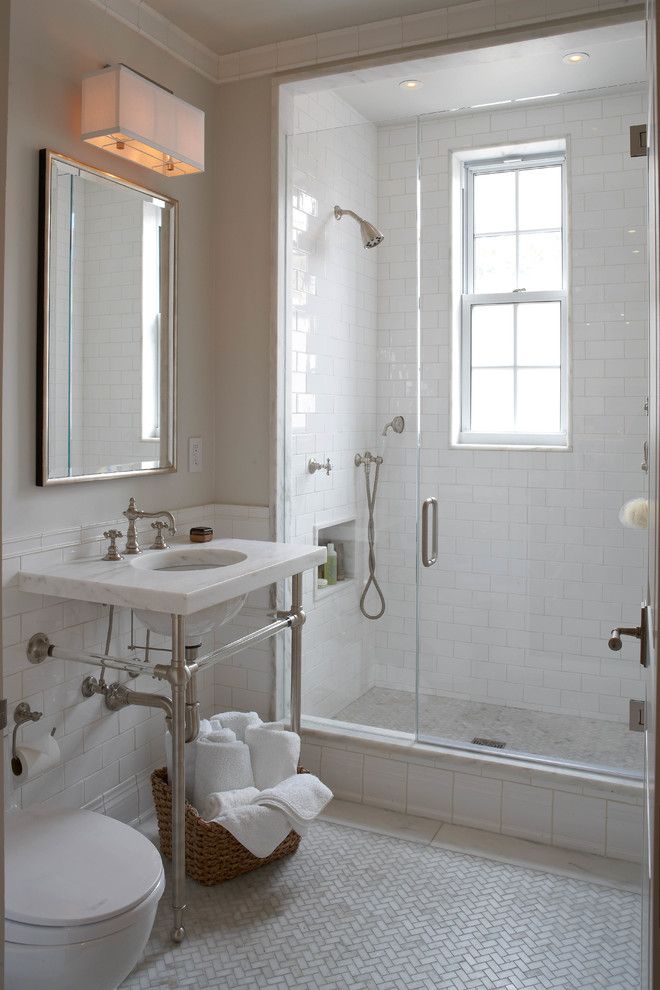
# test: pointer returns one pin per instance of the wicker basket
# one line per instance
(213, 855)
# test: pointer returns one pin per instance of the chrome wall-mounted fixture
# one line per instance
(22, 714)
(371, 236)
(315, 466)
(398, 424)
(129, 115)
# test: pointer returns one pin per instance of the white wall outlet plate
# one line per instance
(195, 454)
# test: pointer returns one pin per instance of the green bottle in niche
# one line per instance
(331, 565)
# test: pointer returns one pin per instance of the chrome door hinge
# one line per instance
(3, 713)
(638, 145)
(637, 716)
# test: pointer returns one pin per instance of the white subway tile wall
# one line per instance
(107, 756)
(331, 347)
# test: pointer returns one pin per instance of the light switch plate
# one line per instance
(195, 454)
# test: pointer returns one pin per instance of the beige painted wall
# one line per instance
(242, 293)
(52, 47)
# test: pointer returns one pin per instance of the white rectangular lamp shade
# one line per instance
(129, 116)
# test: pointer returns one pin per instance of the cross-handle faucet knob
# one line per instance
(159, 541)
(113, 553)
(315, 466)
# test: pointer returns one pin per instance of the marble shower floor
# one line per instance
(590, 741)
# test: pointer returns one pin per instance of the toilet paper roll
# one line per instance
(30, 761)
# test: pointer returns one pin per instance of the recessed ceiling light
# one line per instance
(411, 84)
(572, 58)
(632, 230)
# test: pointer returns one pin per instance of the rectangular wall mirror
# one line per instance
(106, 391)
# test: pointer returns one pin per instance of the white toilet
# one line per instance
(81, 892)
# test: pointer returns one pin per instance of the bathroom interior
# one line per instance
(336, 366)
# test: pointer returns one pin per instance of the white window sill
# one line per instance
(496, 441)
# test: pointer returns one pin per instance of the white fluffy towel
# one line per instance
(635, 514)
(190, 757)
(222, 764)
(257, 828)
(237, 722)
(222, 801)
(300, 798)
(274, 753)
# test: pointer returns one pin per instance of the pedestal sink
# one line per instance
(184, 561)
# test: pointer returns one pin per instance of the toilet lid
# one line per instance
(74, 867)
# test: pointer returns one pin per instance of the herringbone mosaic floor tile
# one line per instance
(358, 911)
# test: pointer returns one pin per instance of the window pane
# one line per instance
(539, 198)
(492, 400)
(538, 401)
(492, 335)
(494, 202)
(495, 264)
(540, 264)
(539, 337)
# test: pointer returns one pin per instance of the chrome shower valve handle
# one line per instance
(315, 466)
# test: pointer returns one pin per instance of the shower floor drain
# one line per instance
(493, 743)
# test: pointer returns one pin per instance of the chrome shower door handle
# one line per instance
(429, 503)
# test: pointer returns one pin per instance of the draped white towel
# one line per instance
(256, 827)
(237, 722)
(300, 798)
(222, 764)
(222, 801)
(190, 757)
(274, 753)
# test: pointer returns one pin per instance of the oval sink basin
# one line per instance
(190, 560)
(194, 559)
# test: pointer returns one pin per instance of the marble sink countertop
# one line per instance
(131, 583)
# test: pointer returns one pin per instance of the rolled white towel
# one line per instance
(635, 514)
(190, 757)
(300, 798)
(258, 828)
(221, 802)
(237, 722)
(222, 764)
(274, 754)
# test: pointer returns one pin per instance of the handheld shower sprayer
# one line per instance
(371, 236)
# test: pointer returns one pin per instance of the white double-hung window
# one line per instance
(512, 339)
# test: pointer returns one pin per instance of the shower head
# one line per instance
(371, 236)
(398, 425)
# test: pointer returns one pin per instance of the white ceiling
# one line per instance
(506, 72)
(232, 25)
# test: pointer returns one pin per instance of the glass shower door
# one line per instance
(533, 381)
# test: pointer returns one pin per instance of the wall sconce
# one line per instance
(131, 116)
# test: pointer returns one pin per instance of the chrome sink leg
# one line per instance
(298, 619)
(179, 678)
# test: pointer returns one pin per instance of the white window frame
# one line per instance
(501, 160)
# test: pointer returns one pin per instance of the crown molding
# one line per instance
(449, 20)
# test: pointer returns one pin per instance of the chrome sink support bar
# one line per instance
(180, 675)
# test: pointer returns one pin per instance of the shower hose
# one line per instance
(368, 460)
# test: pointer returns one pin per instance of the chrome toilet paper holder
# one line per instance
(22, 714)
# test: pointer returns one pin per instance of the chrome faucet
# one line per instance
(132, 513)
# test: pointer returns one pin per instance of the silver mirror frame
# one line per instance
(46, 159)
